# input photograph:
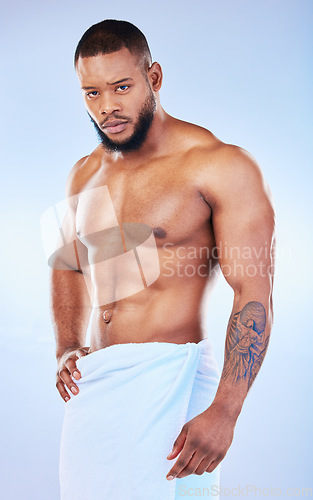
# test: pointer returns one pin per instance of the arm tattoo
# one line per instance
(246, 343)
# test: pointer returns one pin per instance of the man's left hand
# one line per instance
(202, 443)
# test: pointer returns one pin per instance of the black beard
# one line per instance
(142, 127)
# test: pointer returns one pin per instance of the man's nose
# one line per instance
(109, 104)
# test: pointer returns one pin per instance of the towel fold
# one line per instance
(117, 432)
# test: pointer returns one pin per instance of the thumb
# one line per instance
(178, 444)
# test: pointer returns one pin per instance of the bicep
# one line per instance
(243, 222)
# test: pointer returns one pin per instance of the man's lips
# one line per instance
(114, 126)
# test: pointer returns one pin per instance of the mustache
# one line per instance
(109, 118)
(114, 117)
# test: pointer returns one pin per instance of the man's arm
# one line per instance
(70, 304)
(243, 223)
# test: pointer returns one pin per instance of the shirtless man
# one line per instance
(194, 191)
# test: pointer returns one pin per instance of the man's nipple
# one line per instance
(159, 232)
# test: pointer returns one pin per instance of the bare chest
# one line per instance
(163, 197)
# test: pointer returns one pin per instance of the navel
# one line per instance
(107, 316)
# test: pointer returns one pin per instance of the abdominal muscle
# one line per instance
(171, 314)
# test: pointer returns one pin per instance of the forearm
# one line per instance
(70, 309)
(246, 343)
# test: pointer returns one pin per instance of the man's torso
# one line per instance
(163, 194)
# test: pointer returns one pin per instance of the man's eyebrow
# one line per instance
(120, 81)
(113, 83)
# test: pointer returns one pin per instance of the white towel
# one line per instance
(117, 432)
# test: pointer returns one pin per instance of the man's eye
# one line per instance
(91, 94)
(123, 87)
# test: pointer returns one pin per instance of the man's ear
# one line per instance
(155, 76)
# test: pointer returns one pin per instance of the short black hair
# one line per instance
(110, 36)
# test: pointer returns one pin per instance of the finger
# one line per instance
(63, 392)
(191, 466)
(71, 362)
(203, 466)
(178, 444)
(182, 461)
(213, 465)
(68, 381)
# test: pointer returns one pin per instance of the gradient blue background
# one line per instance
(241, 68)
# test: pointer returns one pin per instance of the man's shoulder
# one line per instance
(208, 152)
(221, 170)
(81, 172)
(195, 138)
(202, 142)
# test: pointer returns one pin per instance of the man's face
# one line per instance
(118, 99)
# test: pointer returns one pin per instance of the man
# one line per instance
(145, 203)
